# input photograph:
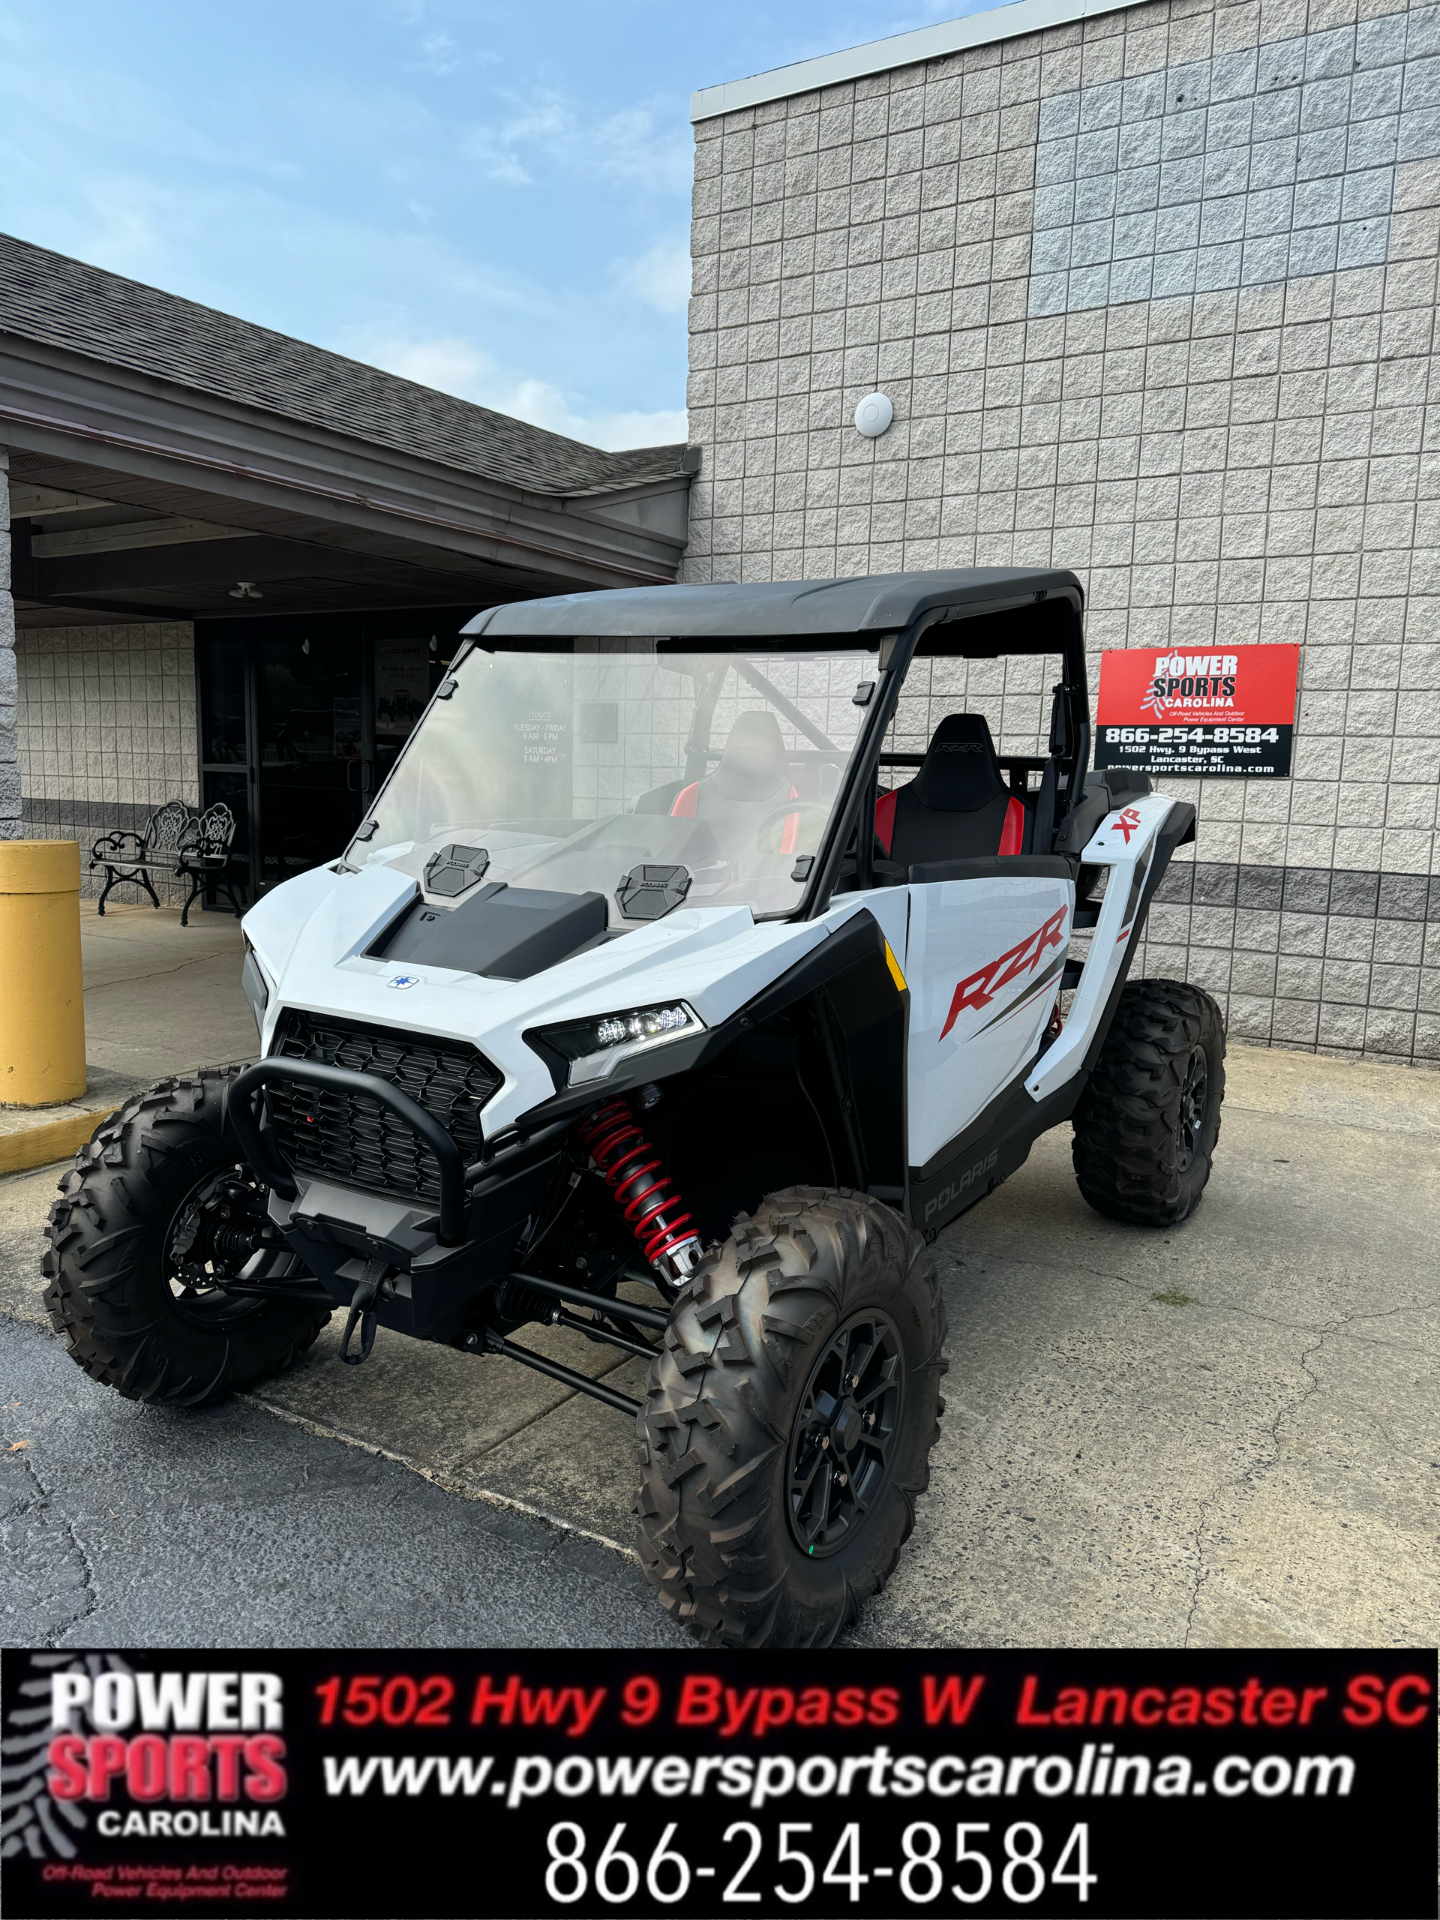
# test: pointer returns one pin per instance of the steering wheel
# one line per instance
(809, 817)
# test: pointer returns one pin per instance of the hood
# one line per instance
(327, 942)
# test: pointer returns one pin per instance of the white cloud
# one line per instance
(545, 127)
(661, 277)
(458, 366)
(660, 429)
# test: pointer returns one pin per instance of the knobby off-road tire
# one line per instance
(1148, 1120)
(750, 1344)
(109, 1290)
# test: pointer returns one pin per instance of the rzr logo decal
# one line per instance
(1127, 823)
(981, 988)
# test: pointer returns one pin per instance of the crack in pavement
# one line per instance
(1253, 1473)
(1212, 1306)
(1194, 1549)
(156, 973)
(44, 1504)
(992, 1436)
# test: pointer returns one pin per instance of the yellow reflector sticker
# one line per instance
(894, 965)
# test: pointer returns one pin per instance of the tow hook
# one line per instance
(372, 1285)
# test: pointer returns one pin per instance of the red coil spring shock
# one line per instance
(633, 1173)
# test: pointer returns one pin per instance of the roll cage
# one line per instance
(972, 614)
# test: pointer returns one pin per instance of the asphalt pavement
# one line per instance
(129, 1526)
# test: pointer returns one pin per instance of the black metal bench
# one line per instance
(175, 841)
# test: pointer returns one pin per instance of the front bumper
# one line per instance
(443, 1256)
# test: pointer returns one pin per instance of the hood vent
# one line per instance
(505, 933)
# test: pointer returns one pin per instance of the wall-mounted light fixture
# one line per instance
(873, 415)
(305, 644)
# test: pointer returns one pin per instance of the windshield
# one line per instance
(572, 768)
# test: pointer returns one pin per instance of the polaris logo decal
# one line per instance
(957, 1187)
(981, 987)
(404, 980)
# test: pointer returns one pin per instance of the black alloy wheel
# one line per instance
(1194, 1109)
(788, 1421)
(845, 1425)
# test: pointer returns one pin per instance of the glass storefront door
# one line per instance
(309, 724)
(302, 718)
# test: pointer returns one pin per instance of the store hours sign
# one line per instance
(1224, 711)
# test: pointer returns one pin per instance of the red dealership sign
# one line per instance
(1178, 710)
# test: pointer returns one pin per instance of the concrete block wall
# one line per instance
(106, 731)
(1153, 296)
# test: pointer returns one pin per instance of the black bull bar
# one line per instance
(369, 1086)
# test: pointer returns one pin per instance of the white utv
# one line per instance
(661, 998)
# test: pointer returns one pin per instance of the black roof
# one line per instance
(62, 302)
(874, 603)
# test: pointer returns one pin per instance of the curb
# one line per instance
(51, 1140)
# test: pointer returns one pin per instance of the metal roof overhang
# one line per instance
(316, 519)
(873, 604)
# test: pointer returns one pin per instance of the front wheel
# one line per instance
(787, 1430)
(1148, 1120)
(156, 1214)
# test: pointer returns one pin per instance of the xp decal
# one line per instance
(981, 987)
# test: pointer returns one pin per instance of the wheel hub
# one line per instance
(220, 1225)
(1194, 1102)
(845, 1424)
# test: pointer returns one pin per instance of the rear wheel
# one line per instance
(156, 1213)
(1149, 1118)
(787, 1430)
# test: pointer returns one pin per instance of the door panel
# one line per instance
(983, 962)
(309, 708)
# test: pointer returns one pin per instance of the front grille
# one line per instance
(343, 1136)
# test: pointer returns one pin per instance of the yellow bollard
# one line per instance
(42, 1004)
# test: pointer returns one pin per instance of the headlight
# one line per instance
(252, 981)
(593, 1048)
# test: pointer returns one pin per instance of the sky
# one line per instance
(488, 196)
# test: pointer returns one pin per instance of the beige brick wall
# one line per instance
(992, 239)
(106, 729)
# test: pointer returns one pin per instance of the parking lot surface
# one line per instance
(1217, 1436)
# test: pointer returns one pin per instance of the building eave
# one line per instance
(309, 482)
(898, 50)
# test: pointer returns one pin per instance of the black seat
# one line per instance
(958, 806)
(751, 779)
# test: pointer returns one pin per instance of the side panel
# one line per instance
(1125, 842)
(983, 962)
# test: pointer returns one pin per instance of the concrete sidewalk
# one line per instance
(1222, 1435)
(159, 998)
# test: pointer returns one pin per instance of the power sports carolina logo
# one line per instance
(196, 1755)
(1184, 681)
(981, 987)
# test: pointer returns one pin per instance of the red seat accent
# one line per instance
(885, 819)
(1012, 834)
(684, 807)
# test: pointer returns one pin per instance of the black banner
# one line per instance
(1252, 1783)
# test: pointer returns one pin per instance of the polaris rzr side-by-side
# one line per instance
(662, 999)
